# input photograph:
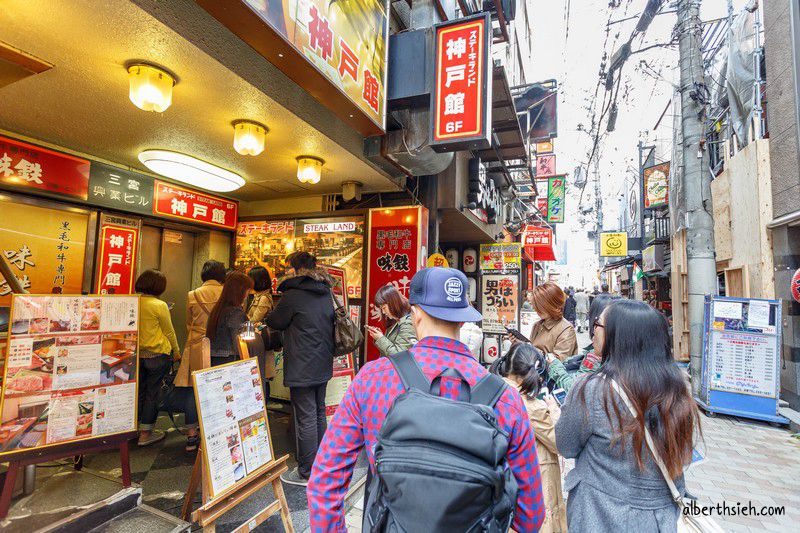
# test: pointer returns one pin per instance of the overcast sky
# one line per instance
(572, 37)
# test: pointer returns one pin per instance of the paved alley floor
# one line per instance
(748, 462)
(745, 463)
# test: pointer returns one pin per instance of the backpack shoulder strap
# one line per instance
(488, 390)
(408, 370)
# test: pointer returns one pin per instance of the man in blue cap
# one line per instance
(439, 306)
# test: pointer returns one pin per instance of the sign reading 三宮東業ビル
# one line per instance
(556, 198)
(177, 202)
(121, 189)
(116, 263)
(613, 244)
(28, 166)
(461, 97)
(656, 185)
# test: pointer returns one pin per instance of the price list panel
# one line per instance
(743, 363)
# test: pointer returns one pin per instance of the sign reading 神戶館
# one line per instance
(461, 98)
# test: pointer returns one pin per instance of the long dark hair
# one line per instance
(637, 354)
(234, 292)
(524, 361)
(599, 304)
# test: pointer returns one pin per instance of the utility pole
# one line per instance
(701, 261)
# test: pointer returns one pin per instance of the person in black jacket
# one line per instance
(569, 307)
(305, 315)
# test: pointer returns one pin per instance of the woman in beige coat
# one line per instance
(199, 305)
(520, 367)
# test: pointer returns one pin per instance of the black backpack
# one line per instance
(440, 464)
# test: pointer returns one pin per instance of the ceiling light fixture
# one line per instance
(309, 169)
(190, 170)
(249, 137)
(150, 87)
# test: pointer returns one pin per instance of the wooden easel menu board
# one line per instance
(70, 372)
(236, 442)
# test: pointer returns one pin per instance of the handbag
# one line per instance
(686, 522)
(347, 335)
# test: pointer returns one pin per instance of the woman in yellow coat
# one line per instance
(521, 367)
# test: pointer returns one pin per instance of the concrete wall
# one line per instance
(780, 49)
(781, 107)
(281, 206)
(742, 210)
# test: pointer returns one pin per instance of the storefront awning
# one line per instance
(539, 253)
(621, 262)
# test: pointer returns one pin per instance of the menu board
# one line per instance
(233, 422)
(70, 371)
(743, 363)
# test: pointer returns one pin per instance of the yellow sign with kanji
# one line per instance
(437, 260)
(613, 244)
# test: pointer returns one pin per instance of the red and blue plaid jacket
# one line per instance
(359, 417)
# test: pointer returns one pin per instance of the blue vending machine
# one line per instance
(741, 358)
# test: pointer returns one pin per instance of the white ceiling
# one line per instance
(82, 103)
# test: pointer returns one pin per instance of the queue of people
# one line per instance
(627, 364)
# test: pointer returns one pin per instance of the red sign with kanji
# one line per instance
(538, 243)
(117, 260)
(29, 166)
(176, 202)
(460, 93)
(396, 252)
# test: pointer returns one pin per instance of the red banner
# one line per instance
(177, 202)
(29, 166)
(397, 249)
(460, 92)
(116, 266)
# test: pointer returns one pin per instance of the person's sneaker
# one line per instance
(155, 436)
(293, 477)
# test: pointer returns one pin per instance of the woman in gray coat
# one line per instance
(616, 485)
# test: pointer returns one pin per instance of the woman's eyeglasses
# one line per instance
(599, 325)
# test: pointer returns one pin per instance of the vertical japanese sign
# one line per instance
(656, 185)
(462, 85)
(397, 250)
(541, 205)
(345, 41)
(44, 248)
(33, 167)
(116, 262)
(545, 165)
(556, 195)
(500, 298)
(185, 204)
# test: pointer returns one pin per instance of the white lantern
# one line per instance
(470, 261)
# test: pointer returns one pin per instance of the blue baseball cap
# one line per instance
(442, 293)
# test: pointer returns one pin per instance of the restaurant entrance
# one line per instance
(172, 252)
